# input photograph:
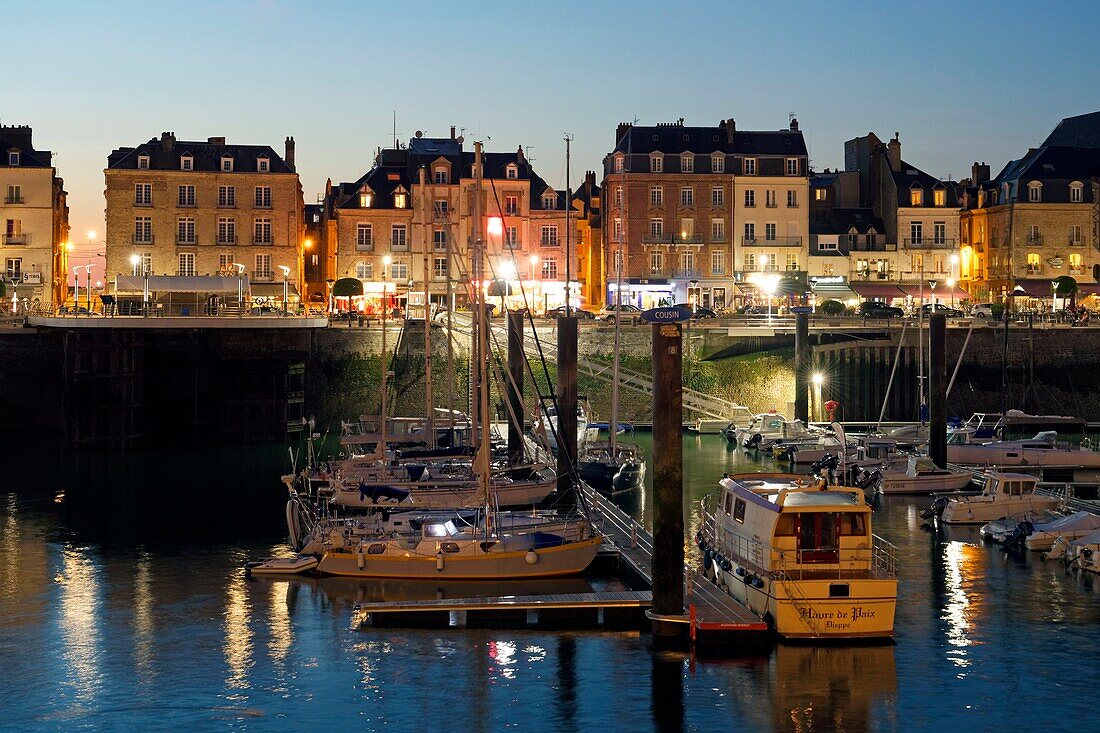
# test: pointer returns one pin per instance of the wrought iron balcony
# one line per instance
(773, 242)
(689, 273)
(657, 239)
(14, 200)
(226, 239)
(1035, 238)
(928, 243)
(688, 239)
(15, 239)
(142, 239)
(187, 241)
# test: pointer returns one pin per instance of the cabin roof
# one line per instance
(1003, 476)
(820, 498)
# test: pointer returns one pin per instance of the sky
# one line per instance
(961, 82)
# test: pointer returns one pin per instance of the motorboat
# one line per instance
(1016, 425)
(979, 428)
(739, 416)
(546, 425)
(800, 555)
(1003, 495)
(608, 465)
(921, 475)
(1040, 533)
(1042, 450)
(1082, 553)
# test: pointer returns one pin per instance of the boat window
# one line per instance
(435, 530)
(449, 547)
(376, 549)
(787, 525)
(775, 424)
(1027, 488)
(852, 524)
(450, 526)
(729, 502)
(838, 590)
(739, 511)
(1012, 488)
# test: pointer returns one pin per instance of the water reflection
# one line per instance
(142, 620)
(237, 647)
(959, 559)
(79, 605)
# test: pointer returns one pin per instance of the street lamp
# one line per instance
(1053, 297)
(135, 260)
(932, 286)
(240, 286)
(951, 289)
(769, 285)
(286, 273)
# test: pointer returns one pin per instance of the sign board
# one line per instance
(32, 278)
(667, 314)
(802, 309)
(828, 280)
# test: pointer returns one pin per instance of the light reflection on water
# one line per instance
(116, 636)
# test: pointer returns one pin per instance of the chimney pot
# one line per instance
(288, 156)
(794, 124)
(893, 153)
(731, 127)
(452, 132)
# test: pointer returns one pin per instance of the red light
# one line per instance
(496, 225)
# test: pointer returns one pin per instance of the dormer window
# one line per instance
(618, 163)
(549, 201)
(687, 163)
(400, 200)
(227, 164)
(748, 166)
(1034, 192)
(263, 165)
(441, 176)
(939, 197)
(792, 166)
(916, 196)
(981, 199)
(13, 157)
(511, 172)
(187, 163)
(143, 162)
(1076, 192)
(366, 198)
(656, 163)
(717, 163)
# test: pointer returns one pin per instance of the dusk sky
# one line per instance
(961, 82)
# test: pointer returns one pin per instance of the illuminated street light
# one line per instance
(135, 260)
(818, 378)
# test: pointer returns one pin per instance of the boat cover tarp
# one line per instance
(374, 492)
(1073, 523)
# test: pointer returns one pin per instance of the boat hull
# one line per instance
(568, 559)
(442, 496)
(924, 484)
(608, 477)
(979, 510)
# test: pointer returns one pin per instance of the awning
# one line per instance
(876, 290)
(921, 290)
(274, 290)
(135, 284)
(1088, 288)
(1033, 288)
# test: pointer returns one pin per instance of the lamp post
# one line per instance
(135, 260)
(240, 287)
(286, 287)
(76, 290)
(951, 289)
(932, 287)
(1053, 297)
(534, 259)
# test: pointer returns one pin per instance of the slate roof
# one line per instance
(674, 139)
(207, 156)
(19, 138)
(842, 221)
(1082, 131)
(1055, 167)
(910, 176)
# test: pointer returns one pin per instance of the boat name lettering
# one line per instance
(857, 612)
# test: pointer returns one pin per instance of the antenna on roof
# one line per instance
(395, 128)
(790, 116)
(527, 155)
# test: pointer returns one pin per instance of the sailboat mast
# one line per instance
(425, 230)
(568, 208)
(480, 316)
(619, 262)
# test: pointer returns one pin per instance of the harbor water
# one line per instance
(123, 607)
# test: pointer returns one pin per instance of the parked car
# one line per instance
(582, 315)
(982, 310)
(878, 309)
(927, 310)
(752, 310)
(698, 311)
(626, 309)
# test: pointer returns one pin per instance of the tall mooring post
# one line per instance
(802, 367)
(668, 480)
(515, 387)
(937, 389)
(567, 408)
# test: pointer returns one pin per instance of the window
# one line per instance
(687, 163)
(687, 260)
(617, 230)
(1034, 192)
(263, 267)
(441, 177)
(143, 194)
(717, 262)
(1076, 193)
(185, 230)
(439, 240)
(263, 165)
(550, 201)
(400, 200)
(439, 268)
(656, 228)
(656, 195)
(939, 232)
(511, 205)
(769, 198)
(398, 236)
(13, 266)
(549, 235)
(656, 163)
(550, 268)
(792, 199)
(769, 232)
(687, 196)
(186, 196)
(227, 196)
(511, 172)
(618, 196)
(364, 237)
(1033, 265)
(263, 197)
(821, 194)
(687, 229)
(186, 264)
(364, 270)
(939, 197)
(750, 233)
(617, 263)
(441, 209)
(1075, 235)
(792, 166)
(618, 164)
(1075, 264)
(146, 263)
(143, 162)
(792, 261)
(739, 511)
(718, 196)
(750, 262)
(750, 198)
(261, 231)
(748, 166)
(511, 237)
(717, 230)
(717, 164)
(916, 197)
(227, 164)
(143, 230)
(365, 200)
(187, 163)
(1034, 235)
(916, 233)
(656, 262)
(227, 230)
(399, 271)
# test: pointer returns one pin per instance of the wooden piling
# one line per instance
(668, 480)
(937, 390)
(802, 367)
(567, 408)
(515, 386)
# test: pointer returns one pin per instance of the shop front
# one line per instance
(645, 293)
(831, 287)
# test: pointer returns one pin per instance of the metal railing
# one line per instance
(687, 273)
(657, 239)
(15, 239)
(14, 200)
(928, 243)
(142, 238)
(1034, 238)
(772, 242)
(688, 239)
(226, 240)
(186, 240)
(1076, 241)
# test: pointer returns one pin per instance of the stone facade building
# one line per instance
(411, 214)
(702, 213)
(34, 214)
(590, 249)
(201, 207)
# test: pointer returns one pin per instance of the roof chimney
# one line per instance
(590, 180)
(621, 131)
(215, 140)
(979, 173)
(731, 127)
(452, 132)
(794, 124)
(893, 153)
(167, 141)
(519, 155)
(288, 155)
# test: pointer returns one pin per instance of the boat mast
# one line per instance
(568, 207)
(426, 229)
(619, 262)
(481, 467)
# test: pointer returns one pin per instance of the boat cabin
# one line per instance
(1008, 484)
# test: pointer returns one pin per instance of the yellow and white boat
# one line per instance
(800, 555)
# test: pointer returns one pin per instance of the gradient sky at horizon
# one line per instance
(960, 83)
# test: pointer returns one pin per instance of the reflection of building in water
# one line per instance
(24, 576)
(80, 608)
(831, 688)
(144, 651)
(238, 635)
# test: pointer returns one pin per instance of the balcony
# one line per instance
(361, 246)
(15, 240)
(1076, 242)
(687, 274)
(1035, 238)
(657, 239)
(227, 204)
(226, 240)
(262, 240)
(928, 243)
(142, 239)
(871, 246)
(186, 241)
(689, 239)
(773, 242)
(14, 200)
(262, 277)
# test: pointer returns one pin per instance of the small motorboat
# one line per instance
(922, 476)
(295, 565)
(1004, 495)
(1039, 535)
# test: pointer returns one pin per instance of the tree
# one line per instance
(832, 308)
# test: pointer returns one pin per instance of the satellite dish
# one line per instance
(459, 139)
(419, 133)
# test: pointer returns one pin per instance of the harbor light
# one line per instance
(818, 378)
(135, 260)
